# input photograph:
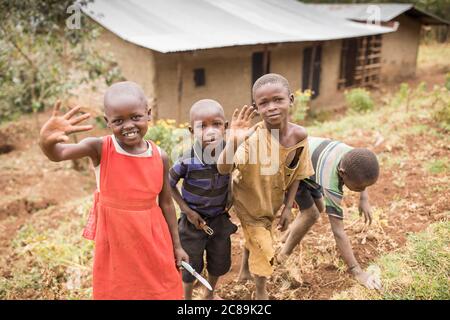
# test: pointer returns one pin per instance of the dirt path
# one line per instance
(29, 182)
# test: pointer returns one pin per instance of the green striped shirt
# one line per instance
(325, 156)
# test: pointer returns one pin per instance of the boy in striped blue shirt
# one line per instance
(204, 197)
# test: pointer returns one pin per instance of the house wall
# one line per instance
(136, 63)
(228, 73)
(329, 97)
(399, 50)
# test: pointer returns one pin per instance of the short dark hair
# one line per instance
(128, 88)
(270, 78)
(206, 105)
(361, 165)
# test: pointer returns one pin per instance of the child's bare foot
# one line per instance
(245, 275)
(370, 281)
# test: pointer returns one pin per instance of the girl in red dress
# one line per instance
(133, 221)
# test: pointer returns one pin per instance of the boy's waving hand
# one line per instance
(241, 121)
(240, 129)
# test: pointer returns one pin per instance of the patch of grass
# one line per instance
(438, 166)
(420, 270)
(346, 126)
(51, 262)
(435, 54)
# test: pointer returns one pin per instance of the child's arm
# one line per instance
(239, 130)
(364, 207)
(56, 130)
(286, 215)
(192, 216)
(168, 210)
(177, 172)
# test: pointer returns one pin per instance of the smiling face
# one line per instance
(208, 122)
(128, 117)
(272, 101)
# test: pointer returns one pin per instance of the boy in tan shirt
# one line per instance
(266, 170)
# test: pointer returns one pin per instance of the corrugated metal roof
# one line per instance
(363, 12)
(181, 25)
(386, 11)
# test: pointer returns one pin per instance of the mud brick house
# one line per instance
(390, 57)
(181, 51)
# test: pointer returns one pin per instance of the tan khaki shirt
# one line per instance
(260, 178)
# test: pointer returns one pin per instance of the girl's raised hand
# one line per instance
(57, 128)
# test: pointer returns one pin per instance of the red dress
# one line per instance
(134, 256)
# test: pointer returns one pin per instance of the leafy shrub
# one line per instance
(42, 60)
(301, 105)
(359, 100)
(171, 138)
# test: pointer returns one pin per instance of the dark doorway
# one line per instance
(312, 66)
(348, 61)
(260, 64)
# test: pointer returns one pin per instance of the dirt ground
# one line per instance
(29, 182)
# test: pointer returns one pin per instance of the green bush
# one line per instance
(42, 60)
(359, 100)
(301, 105)
(171, 138)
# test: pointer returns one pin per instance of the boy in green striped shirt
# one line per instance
(335, 164)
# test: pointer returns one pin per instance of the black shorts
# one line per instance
(306, 193)
(218, 246)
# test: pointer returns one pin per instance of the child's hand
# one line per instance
(180, 255)
(370, 281)
(240, 126)
(285, 219)
(58, 127)
(195, 219)
(364, 208)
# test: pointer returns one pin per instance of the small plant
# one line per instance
(438, 166)
(301, 105)
(170, 137)
(441, 107)
(359, 100)
(402, 96)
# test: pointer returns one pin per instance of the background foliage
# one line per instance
(42, 59)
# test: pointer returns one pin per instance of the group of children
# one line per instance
(253, 171)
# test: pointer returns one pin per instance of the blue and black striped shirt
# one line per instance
(204, 189)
